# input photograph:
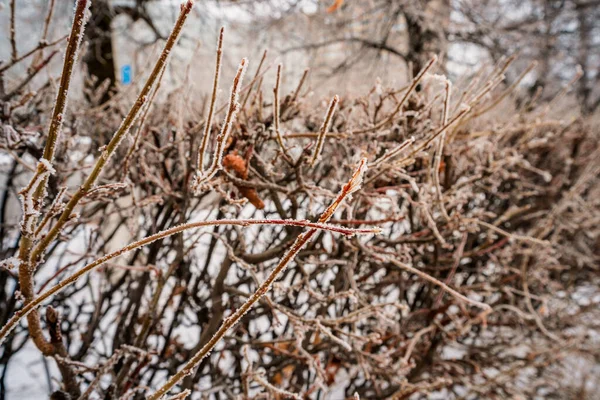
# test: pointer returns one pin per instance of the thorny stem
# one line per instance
(213, 100)
(33, 304)
(350, 187)
(324, 129)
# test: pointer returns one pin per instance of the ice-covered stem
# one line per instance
(217, 162)
(253, 81)
(429, 279)
(415, 149)
(259, 378)
(126, 125)
(213, 100)
(579, 73)
(299, 87)
(440, 150)
(509, 90)
(441, 130)
(324, 129)
(474, 102)
(33, 194)
(349, 188)
(407, 94)
(276, 116)
(36, 189)
(47, 20)
(134, 146)
(42, 45)
(314, 226)
(79, 21)
(13, 31)
(390, 154)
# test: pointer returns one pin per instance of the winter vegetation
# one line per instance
(383, 221)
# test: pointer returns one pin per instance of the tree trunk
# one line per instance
(584, 90)
(426, 28)
(99, 57)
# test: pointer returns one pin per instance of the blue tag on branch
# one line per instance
(126, 74)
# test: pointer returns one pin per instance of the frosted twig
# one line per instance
(441, 130)
(276, 116)
(299, 87)
(141, 125)
(429, 279)
(13, 31)
(509, 90)
(323, 130)
(213, 100)
(253, 81)
(126, 125)
(180, 396)
(400, 104)
(414, 341)
(34, 303)
(389, 154)
(440, 151)
(217, 162)
(502, 232)
(258, 377)
(352, 186)
(330, 335)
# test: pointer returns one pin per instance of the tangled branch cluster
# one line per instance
(454, 250)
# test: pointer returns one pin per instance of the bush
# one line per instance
(454, 252)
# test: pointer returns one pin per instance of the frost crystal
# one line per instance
(10, 263)
(47, 166)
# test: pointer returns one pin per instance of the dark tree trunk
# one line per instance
(99, 58)
(426, 28)
(584, 90)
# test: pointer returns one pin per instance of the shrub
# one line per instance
(454, 250)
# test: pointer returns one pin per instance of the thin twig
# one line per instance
(323, 131)
(234, 106)
(123, 130)
(352, 186)
(276, 116)
(33, 304)
(13, 31)
(213, 99)
(440, 151)
(400, 104)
